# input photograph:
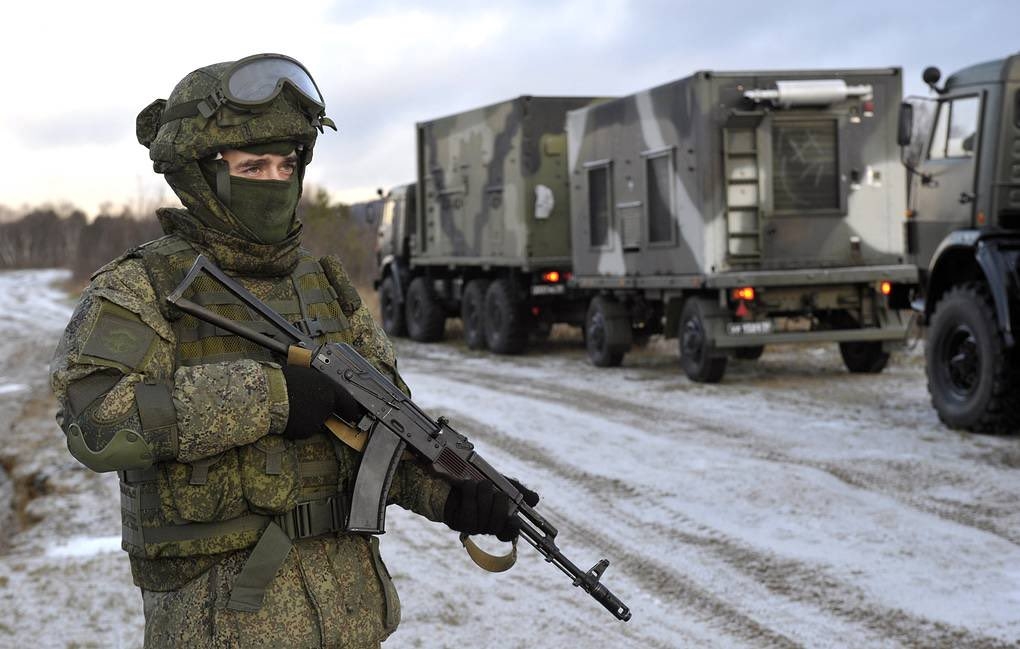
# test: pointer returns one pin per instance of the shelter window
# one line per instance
(598, 205)
(659, 197)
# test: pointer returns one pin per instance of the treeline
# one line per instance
(44, 238)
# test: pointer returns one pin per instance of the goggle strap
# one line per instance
(223, 183)
(180, 111)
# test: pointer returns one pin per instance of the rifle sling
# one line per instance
(486, 561)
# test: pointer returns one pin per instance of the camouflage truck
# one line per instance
(737, 209)
(963, 231)
(484, 233)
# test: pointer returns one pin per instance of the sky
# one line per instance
(77, 73)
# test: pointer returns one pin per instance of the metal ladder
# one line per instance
(743, 194)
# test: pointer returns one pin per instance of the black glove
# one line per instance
(312, 399)
(480, 508)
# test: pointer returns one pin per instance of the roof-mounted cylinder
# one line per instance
(820, 92)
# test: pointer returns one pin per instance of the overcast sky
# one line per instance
(75, 74)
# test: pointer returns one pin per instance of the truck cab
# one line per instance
(963, 232)
(392, 253)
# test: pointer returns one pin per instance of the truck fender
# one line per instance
(964, 256)
(999, 273)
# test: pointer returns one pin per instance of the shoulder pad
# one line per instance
(348, 296)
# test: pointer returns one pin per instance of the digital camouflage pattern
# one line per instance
(189, 415)
(227, 414)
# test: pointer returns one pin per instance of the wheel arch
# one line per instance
(981, 261)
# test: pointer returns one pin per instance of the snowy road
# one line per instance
(793, 505)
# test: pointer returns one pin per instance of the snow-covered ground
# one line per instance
(792, 505)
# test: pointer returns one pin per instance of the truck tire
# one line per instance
(972, 376)
(506, 328)
(425, 316)
(392, 312)
(472, 309)
(749, 353)
(699, 361)
(863, 357)
(607, 332)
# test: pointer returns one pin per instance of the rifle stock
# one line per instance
(390, 423)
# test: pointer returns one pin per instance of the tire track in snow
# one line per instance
(794, 580)
(622, 410)
(805, 583)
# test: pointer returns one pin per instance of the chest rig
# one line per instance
(265, 494)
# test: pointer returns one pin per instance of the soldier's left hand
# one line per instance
(480, 508)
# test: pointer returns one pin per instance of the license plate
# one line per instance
(749, 328)
(548, 289)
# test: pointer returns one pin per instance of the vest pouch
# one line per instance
(269, 475)
(208, 489)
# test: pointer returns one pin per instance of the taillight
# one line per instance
(743, 293)
(551, 277)
(885, 287)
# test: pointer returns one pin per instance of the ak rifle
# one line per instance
(389, 424)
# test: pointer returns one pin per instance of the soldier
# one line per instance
(233, 494)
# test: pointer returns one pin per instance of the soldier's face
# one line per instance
(268, 166)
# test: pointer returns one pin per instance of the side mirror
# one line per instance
(931, 76)
(906, 124)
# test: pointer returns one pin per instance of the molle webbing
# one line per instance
(311, 304)
(324, 513)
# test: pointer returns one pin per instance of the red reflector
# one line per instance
(741, 310)
(535, 311)
(551, 276)
(885, 288)
(869, 107)
(743, 293)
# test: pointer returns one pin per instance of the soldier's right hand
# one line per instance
(312, 399)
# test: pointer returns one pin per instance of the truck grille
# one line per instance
(804, 168)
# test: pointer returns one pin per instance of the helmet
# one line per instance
(258, 99)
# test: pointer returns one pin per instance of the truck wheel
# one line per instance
(426, 318)
(472, 308)
(393, 321)
(749, 353)
(697, 358)
(863, 357)
(607, 332)
(971, 375)
(505, 325)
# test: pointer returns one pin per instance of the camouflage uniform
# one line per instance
(189, 416)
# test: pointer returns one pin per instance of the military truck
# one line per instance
(484, 233)
(732, 210)
(963, 230)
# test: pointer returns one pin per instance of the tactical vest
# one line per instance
(225, 503)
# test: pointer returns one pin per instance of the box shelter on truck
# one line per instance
(738, 209)
(484, 233)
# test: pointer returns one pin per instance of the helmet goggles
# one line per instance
(257, 80)
(254, 82)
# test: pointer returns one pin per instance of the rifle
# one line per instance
(390, 424)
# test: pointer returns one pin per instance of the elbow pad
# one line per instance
(144, 430)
